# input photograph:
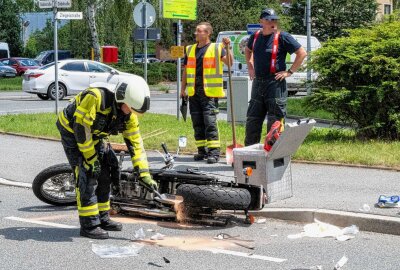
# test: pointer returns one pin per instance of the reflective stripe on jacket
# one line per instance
(212, 70)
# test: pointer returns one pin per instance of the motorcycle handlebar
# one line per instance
(164, 147)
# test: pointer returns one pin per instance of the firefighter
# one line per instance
(95, 113)
(268, 48)
(202, 77)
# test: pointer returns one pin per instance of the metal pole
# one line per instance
(144, 23)
(178, 68)
(309, 83)
(55, 53)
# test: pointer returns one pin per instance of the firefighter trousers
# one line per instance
(93, 195)
(203, 111)
(268, 98)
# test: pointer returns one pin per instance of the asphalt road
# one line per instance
(37, 236)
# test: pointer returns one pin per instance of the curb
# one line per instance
(365, 222)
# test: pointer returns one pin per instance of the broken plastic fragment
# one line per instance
(341, 262)
(139, 234)
(261, 220)
(157, 236)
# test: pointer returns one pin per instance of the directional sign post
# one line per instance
(55, 4)
(181, 10)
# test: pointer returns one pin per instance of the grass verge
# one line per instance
(322, 144)
(10, 84)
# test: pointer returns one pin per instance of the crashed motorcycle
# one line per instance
(186, 195)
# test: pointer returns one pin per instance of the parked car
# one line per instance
(47, 57)
(6, 71)
(149, 60)
(74, 76)
(20, 64)
(4, 50)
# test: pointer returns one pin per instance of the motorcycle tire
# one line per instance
(55, 185)
(215, 197)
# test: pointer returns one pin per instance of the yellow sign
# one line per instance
(177, 51)
(180, 9)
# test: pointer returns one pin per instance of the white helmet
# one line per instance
(134, 92)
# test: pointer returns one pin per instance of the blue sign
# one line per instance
(251, 28)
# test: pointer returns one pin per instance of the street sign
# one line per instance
(138, 14)
(180, 9)
(252, 28)
(152, 34)
(59, 3)
(69, 15)
(177, 51)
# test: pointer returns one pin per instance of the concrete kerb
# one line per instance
(365, 222)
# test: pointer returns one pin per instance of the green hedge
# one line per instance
(156, 72)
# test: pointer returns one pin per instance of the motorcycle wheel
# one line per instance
(215, 197)
(55, 185)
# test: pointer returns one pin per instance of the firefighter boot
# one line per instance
(201, 154)
(111, 225)
(94, 232)
(213, 155)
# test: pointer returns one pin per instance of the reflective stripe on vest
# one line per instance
(212, 70)
(275, 46)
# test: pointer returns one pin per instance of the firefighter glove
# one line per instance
(148, 181)
(93, 169)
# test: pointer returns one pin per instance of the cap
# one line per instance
(269, 14)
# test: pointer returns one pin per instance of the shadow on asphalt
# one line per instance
(46, 209)
(43, 234)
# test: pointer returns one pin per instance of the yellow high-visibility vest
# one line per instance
(212, 70)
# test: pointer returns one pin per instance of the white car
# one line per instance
(74, 76)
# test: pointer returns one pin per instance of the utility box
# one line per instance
(109, 54)
(272, 169)
(241, 93)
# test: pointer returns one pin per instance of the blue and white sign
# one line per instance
(251, 28)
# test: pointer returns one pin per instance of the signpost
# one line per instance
(181, 10)
(56, 4)
(144, 16)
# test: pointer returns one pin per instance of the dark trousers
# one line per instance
(268, 98)
(203, 111)
(90, 190)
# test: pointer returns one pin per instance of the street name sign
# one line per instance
(59, 3)
(69, 15)
(180, 9)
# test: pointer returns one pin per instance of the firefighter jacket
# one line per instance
(212, 70)
(92, 116)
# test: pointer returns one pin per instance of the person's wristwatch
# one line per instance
(290, 71)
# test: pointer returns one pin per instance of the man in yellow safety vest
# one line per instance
(202, 77)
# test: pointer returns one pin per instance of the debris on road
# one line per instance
(157, 236)
(235, 240)
(112, 251)
(388, 201)
(261, 220)
(321, 229)
(166, 260)
(139, 234)
(341, 262)
(365, 208)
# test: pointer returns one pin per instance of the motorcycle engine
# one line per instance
(129, 187)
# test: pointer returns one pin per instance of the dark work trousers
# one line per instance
(91, 190)
(203, 111)
(268, 98)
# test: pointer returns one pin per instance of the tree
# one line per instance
(359, 80)
(332, 18)
(10, 26)
(91, 19)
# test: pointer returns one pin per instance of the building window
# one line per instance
(387, 9)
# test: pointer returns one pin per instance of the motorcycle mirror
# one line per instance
(182, 141)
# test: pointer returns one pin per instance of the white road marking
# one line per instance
(51, 224)
(247, 255)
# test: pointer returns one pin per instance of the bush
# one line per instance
(359, 80)
(156, 72)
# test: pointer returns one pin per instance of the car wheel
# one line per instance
(51, 92)
(43, 96)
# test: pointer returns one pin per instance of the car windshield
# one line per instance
(27, 62)
(40, 56)
(47, 66)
